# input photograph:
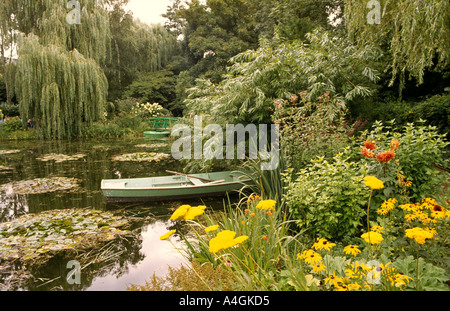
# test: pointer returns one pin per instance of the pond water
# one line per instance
(136, 259)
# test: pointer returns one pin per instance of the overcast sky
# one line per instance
(149, 11)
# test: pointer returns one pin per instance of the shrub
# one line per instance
(419, 148)
(10, 110)
(12, 125)
(327, 198)
(310, 128)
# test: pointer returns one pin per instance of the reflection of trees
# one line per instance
(112, 258)
(12, 206)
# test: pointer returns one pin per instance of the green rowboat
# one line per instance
(178, 186)
(156, 134)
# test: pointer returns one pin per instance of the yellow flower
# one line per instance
(431, 230)
(167, 235)
(266, 204)
(180, 212)
(212, 228)
(378, 229)
(372, 237)
(225, 239)
(333, 280)
(352, 250)
(188, 212)
(373, 183)
(387, 206)
(323, 244)
(317, 268)
(194, 211)
(400, 280)
(418, 234)
(310, 257)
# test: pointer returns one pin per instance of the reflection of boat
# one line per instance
(172, 187)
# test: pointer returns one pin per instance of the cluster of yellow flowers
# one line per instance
(419, 234)
(372, 237)
(265, 205)
(188, 212)
(428, 212)
(403, 181)
(358, 275)
(225, 239)
(373, 183)
(387, 206)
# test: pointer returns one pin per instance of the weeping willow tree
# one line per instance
(414, 33)
(155, 46)
(61, 90)
(58, 79)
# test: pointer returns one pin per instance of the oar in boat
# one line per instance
(191, 176)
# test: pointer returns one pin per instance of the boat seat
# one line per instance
(115, 185)
(196, 181)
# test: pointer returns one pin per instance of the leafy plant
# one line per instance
(310, 128)
(279, 69)
(419, 147)
(327, 198)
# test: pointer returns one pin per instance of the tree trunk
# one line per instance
(118, 61)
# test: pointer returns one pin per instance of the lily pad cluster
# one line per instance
(9, 151)
(142, 157)
(41, 185)
(58, 158)
(35, 235)
(155, 145)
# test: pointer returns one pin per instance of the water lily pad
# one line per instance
(155, 145)
(58, 158)
(9, 151)
(24, 238)
(41, 185)
(142, 157)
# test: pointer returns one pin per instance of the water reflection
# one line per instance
(133, 259)
(159, 255)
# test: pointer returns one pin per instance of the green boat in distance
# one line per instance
(156, 134)
(174, 187)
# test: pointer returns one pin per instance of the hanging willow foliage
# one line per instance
(58, 79)
(57, 88)
(416, 33)
(155, 46)
(47, 20)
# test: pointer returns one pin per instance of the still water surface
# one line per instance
(142, 256)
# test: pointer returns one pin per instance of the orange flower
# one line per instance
(394, 144)
(367, 153)
(370, 145)
(386, 156)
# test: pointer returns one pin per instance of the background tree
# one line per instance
(58, 81)
(414, 34)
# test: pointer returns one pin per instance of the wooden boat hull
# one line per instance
(175, 187)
